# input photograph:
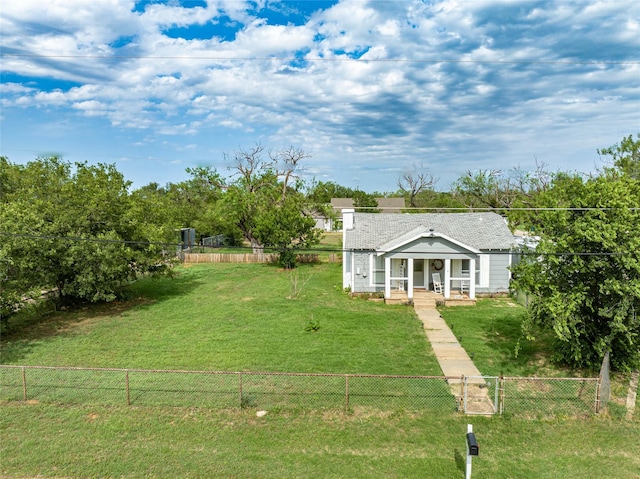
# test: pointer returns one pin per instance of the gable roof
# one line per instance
(417, 233)
(386, 205)
(482, 231)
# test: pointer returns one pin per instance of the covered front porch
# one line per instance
(429, 261)
(448, 280)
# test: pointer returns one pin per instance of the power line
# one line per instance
(324, 250)
(319, 59)
(91, 240)
(472, 209)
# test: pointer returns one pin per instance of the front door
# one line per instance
(418, 273)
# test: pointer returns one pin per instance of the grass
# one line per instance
(229, 317)
(490, 331)
(76, 442)
(254, 317)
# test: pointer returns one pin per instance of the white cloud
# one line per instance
(456, 83)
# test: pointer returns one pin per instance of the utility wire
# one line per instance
(472, 209)
(319, 59)
(324, 250)
(91, 240)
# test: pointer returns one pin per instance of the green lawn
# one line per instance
(252, 317)
(232, 317)
(78, 442)
(490, 331)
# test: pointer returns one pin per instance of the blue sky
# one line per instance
(372, 89)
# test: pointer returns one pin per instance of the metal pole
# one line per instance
(346, 392)
(465, 389)
(126, 377)
(24, 384)
(468, 471)
(240, 384)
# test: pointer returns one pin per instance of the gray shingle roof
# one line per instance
(483, 231)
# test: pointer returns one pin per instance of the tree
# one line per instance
(266, 201)
(625, 156)
(73, 228)
(584, 277)
(485, 189)
(365, 202)
(322, 192)
(415, 183)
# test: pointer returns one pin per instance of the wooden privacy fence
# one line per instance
(528, 397)
(245, 258)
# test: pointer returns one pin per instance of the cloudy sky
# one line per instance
(370, 88)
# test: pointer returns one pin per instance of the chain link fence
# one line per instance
(548, 397)
(222, 390)
(529, 397)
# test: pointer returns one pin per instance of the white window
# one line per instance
(377, 270)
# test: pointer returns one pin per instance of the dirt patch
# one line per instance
(115, 308)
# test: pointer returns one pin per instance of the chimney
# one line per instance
(347, 219)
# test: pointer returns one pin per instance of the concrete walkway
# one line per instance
(453, 359)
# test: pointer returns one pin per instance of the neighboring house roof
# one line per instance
(386, 205)
(483, 231)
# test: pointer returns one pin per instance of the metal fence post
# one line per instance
(501, 399)
(126, 377)
(240, 387)
(596, 407)
(24, 384)
(464, 396)
(346, 392)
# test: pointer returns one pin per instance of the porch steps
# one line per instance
(397, 297)
(425, 299)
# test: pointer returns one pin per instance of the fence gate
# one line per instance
(481, 395)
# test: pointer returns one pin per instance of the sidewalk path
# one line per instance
(454, 360)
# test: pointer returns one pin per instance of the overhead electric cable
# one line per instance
(324, 250)
(319, 59)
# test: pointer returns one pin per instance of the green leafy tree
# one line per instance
(584, 278)
(365, 202)
(625, 156)
(73, 229)
(322, 192)
(266, 202)
(485, 189)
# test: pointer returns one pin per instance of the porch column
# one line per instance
(472, 279)
(410, 282)
(447, 278)
(387, 277)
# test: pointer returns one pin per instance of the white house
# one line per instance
(445, 252)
